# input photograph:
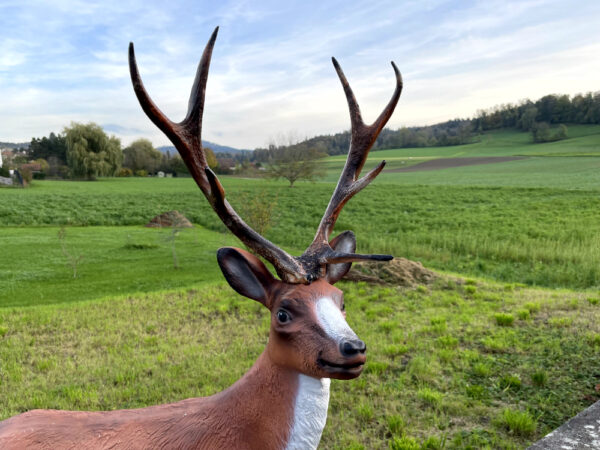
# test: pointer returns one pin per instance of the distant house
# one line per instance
(7, 155)
(226, 163)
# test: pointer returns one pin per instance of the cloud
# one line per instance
(271, 70)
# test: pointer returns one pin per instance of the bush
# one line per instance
(141, 173)
(125, 172)
(258, 211)
(62, 171)
(541, 132)
(39, 176)
(26, 174)
(4, 172)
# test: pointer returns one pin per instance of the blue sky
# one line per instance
(271, 74)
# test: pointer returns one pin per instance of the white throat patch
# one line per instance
(310, 413)
(332, 320)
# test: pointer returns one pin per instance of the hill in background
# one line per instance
(12, 145)
(214, 147)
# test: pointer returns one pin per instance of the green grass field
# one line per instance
(561, 164)
(500, 350)
(538, 236)
(474, 365)
(115, 260)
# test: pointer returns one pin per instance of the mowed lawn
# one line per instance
(103, 261)
(99, 312)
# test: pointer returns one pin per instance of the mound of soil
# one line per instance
(170, 219)
(397, 272)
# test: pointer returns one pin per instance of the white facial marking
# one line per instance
(310, 413)
(332, 320)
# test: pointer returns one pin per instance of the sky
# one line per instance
(271, 73)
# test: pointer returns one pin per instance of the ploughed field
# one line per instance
(450, 163)
(500, 350)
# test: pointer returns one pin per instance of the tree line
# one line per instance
(536, 117)
(550, 109)
(452, 132)
(85, 151)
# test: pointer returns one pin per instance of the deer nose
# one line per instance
(352, 348)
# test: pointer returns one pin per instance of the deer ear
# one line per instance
(345, 243)
(246, 274)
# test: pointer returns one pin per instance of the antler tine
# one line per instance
(338, 258)
(389, 109)
(152, 111)
(186, 136)
(362, 139)
(193, 119)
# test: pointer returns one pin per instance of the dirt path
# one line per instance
(448, 163)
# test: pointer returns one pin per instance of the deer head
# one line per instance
(308, 332)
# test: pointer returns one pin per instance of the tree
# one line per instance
(90, 152)
(527, 120)
(562, 132)
(294, 163)
(44, 166)
(52, 146)
(541, 132)
(141, 155)
(177, 165)
(211, 159)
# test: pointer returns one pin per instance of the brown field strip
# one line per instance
(448, 163)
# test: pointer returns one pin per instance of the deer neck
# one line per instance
(291, 407)
(310, 412)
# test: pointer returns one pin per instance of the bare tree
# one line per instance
(294, 161)
(72, 258)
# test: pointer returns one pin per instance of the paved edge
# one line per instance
(581, 432)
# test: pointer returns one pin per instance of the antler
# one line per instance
(362, 139)
(186, 136)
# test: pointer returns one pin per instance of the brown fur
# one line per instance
(254, 413)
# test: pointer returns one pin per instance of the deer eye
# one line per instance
(283, 316)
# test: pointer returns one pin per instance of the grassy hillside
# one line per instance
(472, 365)
(460, 364)
(555, 164)
(553, 172)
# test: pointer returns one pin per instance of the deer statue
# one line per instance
(282, 401)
